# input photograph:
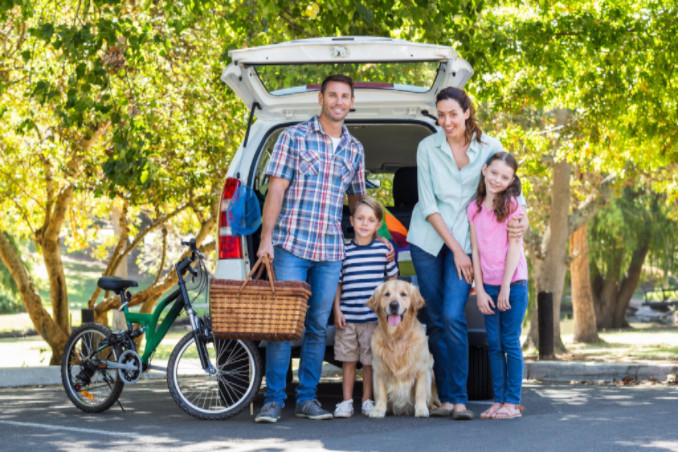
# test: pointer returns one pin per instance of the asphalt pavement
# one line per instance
(558, 417)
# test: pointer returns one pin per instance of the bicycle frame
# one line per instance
(149, 322)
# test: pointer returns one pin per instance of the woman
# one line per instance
(448, 171)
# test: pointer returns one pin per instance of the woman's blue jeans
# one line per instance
(323, 278)
(445, 295)
(503, 341)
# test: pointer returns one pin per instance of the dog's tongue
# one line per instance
(394, 319)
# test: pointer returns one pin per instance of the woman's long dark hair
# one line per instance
(465, 103)
(502, 203)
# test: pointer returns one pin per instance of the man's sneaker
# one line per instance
(311, 409)
(269, 413)
(344, 409)
(368, 406)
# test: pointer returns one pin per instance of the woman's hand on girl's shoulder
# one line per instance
(518, 226)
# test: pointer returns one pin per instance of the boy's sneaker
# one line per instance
(368, 406)
(344, 409)
(311, 409)
(269, 413)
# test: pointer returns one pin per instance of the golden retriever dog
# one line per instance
(402, 364)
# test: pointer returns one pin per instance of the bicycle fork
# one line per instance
(198, 327)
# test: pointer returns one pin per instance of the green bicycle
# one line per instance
(208, 377)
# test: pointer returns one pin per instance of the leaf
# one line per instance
(46, 31)
(143, 178)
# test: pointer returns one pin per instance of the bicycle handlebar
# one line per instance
(194, 249)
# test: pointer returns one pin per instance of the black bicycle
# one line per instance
(208, 377)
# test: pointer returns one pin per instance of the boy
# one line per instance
(364, 267)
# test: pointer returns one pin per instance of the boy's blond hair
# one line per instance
(372, 204)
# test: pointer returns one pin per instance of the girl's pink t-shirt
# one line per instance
(493, 243)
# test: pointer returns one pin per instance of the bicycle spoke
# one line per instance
(217, 395)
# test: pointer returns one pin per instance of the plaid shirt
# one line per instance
(309, 225)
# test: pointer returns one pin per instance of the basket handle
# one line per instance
(258, 266)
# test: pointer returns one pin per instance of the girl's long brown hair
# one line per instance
(502, 203)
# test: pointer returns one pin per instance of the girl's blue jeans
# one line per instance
(323, 278)
(445, 295)
(503, 341)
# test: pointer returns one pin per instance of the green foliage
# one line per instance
(10, 302)
(115, 99)
(638, 218)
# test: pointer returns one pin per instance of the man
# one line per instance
(312, 165)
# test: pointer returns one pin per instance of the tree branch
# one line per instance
(591, 205)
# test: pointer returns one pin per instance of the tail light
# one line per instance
(230, 247)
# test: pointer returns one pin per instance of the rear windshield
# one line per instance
(417, 77)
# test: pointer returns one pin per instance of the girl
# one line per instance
(500, 272)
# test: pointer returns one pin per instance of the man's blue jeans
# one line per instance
(503, 342)
(445, 295)
(323, 278)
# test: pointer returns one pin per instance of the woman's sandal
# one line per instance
(508, 412)
(488, 413)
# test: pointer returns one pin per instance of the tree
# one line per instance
(132, 86)
(598, 65)
(622, 236)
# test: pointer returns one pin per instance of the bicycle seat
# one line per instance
(115, 283)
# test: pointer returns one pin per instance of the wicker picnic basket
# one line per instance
(259, 309)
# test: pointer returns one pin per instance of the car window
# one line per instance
(260, 184)
(280, 80)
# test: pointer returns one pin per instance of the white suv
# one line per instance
(396, 83)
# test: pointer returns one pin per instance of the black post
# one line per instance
(86, 315)
(545, 314)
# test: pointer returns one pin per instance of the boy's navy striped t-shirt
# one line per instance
(364, 267)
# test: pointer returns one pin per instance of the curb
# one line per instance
(568, 371)
(546, 371)
(14, 377)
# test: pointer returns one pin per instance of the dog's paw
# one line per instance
(421, 412)
(378, 413)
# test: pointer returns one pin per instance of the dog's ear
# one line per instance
(417, 300)
(372, 302)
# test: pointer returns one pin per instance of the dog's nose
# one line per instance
(394, 307)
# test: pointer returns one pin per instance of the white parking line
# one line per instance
(73, 429)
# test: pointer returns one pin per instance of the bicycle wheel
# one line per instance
(219, 396)
(90, 387)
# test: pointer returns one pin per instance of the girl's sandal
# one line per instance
(491, 411)
(508, 412)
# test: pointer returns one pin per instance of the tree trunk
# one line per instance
(47, 239)
(550, 275)
(47, 328)
(120, 229)
(628, 286)
(585, 328)
(612, 297)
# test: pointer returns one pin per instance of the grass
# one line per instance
(81, 281)
(642, 342)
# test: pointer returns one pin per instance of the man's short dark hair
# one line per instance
(337, 78)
